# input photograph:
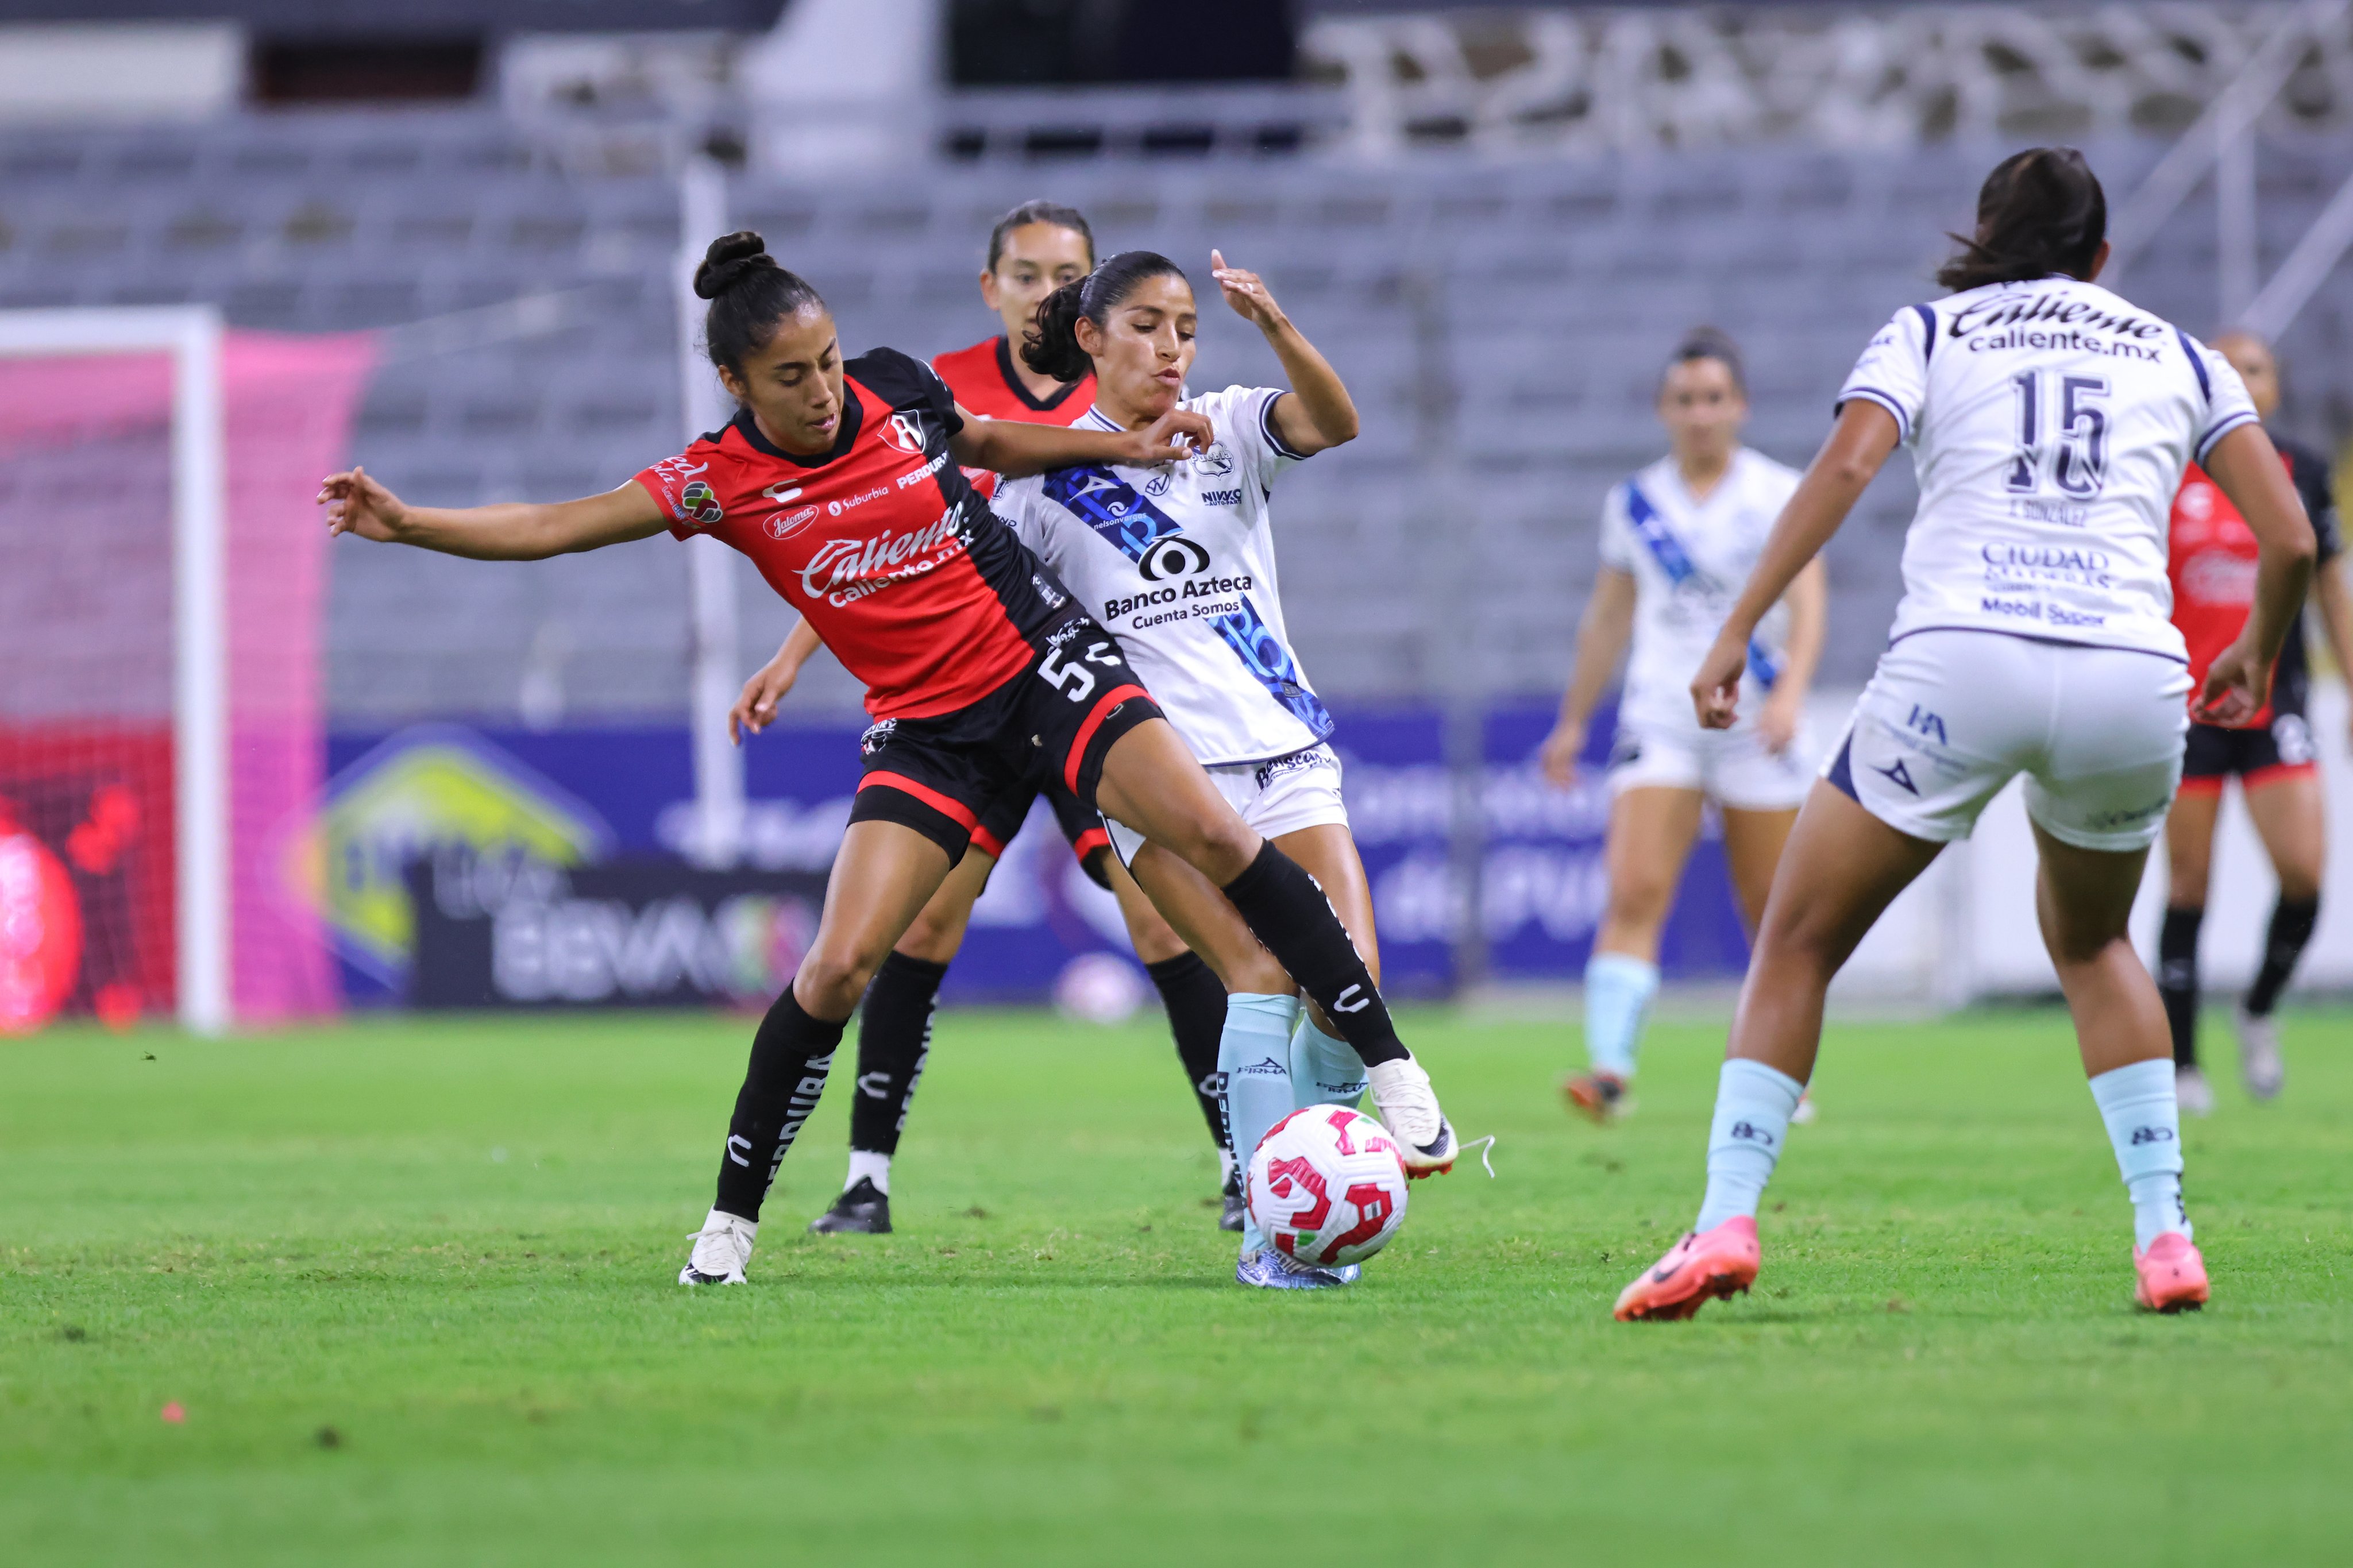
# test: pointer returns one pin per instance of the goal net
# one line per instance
(161, 731)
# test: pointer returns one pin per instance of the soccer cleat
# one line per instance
(2260, 1066)
(1235, 1209)
(721, 1247)
(2172, 1275)
(1702, 1266)
(1272, 1269)
(1599, 1095)
(1407, 1107)
(863, 1209)
(2192, 1092)
(1804, 1115)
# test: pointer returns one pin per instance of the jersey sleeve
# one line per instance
(1617, 534)
(2228, 406)
(905, 382)
(690, 489)
(1020, 504)
(1894, 369)
(1245, 418)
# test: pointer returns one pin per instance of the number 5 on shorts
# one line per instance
(1074, 680)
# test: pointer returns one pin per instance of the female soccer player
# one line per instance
(1032, 250)
(2051, 422)
(1677, 541)
(2213, 570)
(1179, 562)
(842, 483)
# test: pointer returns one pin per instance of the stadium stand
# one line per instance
(1502, 319)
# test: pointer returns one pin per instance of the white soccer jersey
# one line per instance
(1689, 560)
(2050, 422)
(1178, 563)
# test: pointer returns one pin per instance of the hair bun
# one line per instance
(729, 259)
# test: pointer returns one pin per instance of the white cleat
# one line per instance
(1407, 1107)
(2193, 1093)
(2261, 1067)
(721, 1247)
(1804, 1115)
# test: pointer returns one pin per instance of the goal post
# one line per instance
(190, 339)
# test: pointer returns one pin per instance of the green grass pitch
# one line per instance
(411, 1282)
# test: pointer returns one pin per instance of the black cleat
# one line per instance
(863, 1209)
(1231, 1218)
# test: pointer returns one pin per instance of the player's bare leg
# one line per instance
(1649, 840)
(2290, 817)
(2084, 898)
(1842, 866)
(880, 881)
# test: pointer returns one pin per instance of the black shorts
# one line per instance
(2257, 754)
(1003, 818)
(1049, 726)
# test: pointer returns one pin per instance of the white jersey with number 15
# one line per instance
(2050, 422)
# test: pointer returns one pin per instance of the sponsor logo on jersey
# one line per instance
(1221, 497)
(844, 570)
(904, 430)
(835, 507)
(701, 503)
(784, 525)
(1174, 556)
(2055, 309)
(1156, 484)
(2219, 577)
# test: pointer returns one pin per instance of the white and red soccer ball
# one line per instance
(1327, 1186)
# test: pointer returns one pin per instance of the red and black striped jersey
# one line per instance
(2211, 561)
(985, 381)
(902, 570)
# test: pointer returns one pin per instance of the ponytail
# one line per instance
(1051, 347)
(2039, 212)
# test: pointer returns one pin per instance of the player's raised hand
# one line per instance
(2238, 684)
(1246, 292)
(1174, 437)
(357, 502)
(1715, 689)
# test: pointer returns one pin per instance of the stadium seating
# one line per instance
(1502, 324)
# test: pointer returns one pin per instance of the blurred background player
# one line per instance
(2032, 639)
(1178, 563)
(1032, 250)
(2271, 753)
(1677, 542)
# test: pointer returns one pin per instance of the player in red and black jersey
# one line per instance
(2214, 571)
(844, 485)
(1032, 250)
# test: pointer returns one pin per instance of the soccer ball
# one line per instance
(1327, 1185)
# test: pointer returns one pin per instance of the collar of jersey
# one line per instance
(853, 415)
(1016, 385)
(1094, 412)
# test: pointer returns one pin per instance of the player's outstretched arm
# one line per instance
(1319, 413)
(755, 708)
(1859, 443)
(1810, 614)
(358, 502)
(1601, 637)
(2247, 467)
(2335, 601)
(1011, 448)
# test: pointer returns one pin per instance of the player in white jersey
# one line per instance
(1177, 562)
(2050, 422)
(1677, 542)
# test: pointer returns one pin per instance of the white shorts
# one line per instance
(1950, 717)
(1732, 767)
(1302, 790)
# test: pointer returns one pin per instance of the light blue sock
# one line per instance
(1324, 1071)
(2145, 1124)
(1618, 992)
(1255, 1054)
(1753, 1106)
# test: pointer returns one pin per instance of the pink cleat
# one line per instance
(2172, 1275)
(1703, 1264)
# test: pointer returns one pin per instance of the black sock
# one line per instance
(2292, 924)
(1195, 1000)
(791, 1054)
(1287, 910)
(2176, 978)
(894, 1041)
